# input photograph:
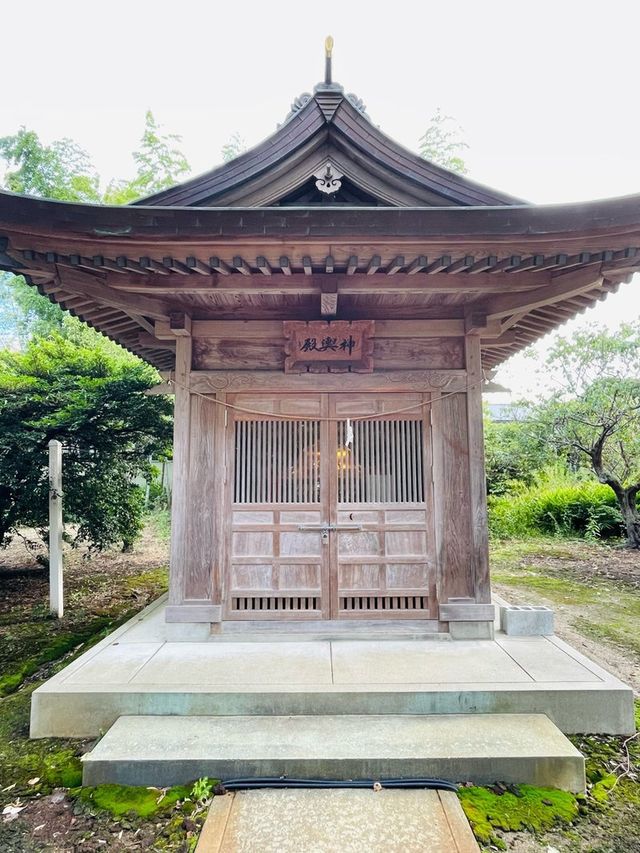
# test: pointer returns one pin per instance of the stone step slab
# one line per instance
(169, 750)
(326, 821)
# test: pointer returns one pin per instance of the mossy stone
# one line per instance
(120, 800)
(536, 809)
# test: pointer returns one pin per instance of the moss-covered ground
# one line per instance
(595, 592)
(596, 588)
(42, 778)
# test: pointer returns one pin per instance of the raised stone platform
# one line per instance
(137, 671)
(164, 751)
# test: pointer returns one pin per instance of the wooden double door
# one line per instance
(329, 507)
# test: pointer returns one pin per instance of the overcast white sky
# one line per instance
(547, 92)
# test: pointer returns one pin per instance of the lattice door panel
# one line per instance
(383, 565)
(277, 567)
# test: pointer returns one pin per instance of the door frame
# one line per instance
(328, 505)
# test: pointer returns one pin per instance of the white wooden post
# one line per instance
(56, 590)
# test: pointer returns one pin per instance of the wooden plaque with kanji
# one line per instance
(333, 346)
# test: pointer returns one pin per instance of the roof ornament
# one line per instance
(328, 178)
(328, 49)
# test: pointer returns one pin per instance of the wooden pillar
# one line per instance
(477, 476)
(193, 528)
(180, 494)
(461, 508)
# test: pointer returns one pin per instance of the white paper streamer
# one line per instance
(349, 439)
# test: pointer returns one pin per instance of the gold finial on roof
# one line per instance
(328, 46)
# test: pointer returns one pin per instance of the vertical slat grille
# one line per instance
(360, 603)
(277, 461)
(384, 463)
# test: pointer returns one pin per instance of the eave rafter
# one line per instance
(511, 274)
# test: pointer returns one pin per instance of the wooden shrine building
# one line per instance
(326, 308)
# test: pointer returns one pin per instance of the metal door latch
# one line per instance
(326, 528)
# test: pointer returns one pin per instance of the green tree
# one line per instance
(514, 452)
(61, 170)
(233, 148)
(159, 165)
(442, 143)
(64, 171)
(93, 400)
(595, 414)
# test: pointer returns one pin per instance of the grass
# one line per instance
(560, 573)
(596, 587)
(34, 647)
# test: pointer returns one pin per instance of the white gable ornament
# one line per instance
(328, 179)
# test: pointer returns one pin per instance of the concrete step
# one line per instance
(349, 821)
(481, 748)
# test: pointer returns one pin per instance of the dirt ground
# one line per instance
(594, 590)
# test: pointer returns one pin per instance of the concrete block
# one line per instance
(187, 632)
(526, 620)
(471, 630)
(164, 751)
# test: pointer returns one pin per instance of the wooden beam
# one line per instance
(197, 266)
(285, 266)
(416, 265)
(307, 265)
(272, 329)
(153, 266)
(102, 263)
(180, 324)
(129, 265)
(438, 265)
(214, 381)
(505, 264)
(352, 265)
(175, 266)
(562, 287)
(373, 265)
(460, 265)
(151, 342)
(241, 265)
(482, 265)
(263, 265)
(143, 322)
(396, 265)
(329, 298)
(476, 323)
(219, 266)
(505, 340)
(86, 284)
(305, 284)
(534, 262)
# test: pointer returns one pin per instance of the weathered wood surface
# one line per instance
(205, 471)
(237, 345)
(271, 330)
(477, 476)
(376, 559)
(267, 381)
(181, 468)
(515, 292)
(455, 558)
